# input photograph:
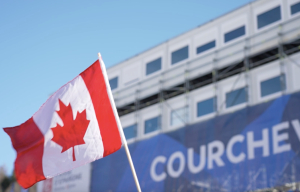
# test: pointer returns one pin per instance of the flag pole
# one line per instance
(119, 123)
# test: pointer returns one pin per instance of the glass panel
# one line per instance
(130, 131)
(180, 54)
(153, 66)
(236, 97)
(268, 17)
(205, 107)
(206, 46)
(179, 116)
(295, 8)
(152, 124)
(113, 83)
(271, 86)
(235, 34)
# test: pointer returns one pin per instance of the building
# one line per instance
(214, 109)
(240, 69)
(235, 53)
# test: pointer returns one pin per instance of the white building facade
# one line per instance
(213, 109)
(246, 50)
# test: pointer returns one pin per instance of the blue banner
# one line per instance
(254, 148)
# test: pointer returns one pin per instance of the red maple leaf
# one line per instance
(72, 132)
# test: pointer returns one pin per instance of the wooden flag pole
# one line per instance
(119, 123)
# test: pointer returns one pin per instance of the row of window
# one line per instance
(151, 125)
(180, 116)
(239, 96)
(263, 20)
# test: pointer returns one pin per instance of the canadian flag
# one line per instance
(78, 124)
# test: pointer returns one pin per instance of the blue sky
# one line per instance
(44, 44)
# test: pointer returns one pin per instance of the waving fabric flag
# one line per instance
(75, 126)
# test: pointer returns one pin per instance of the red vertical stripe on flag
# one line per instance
(95, 83)
(28, 141)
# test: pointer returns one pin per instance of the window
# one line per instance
(152, 124)
(236, 97)
(130, 131)
(113, 83)
(295, 8)
(206, 107)
(153, 66)
(268, 17)
(234, 34)
(206, 47)
(273, 85)
(179, 116)
(180, 55)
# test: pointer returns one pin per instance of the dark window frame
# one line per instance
(235, 33)
(270, 90)
(295, 7)
(158, 124)
(176, 59)
(206, 47)
(262, 18)
(135, 131)
(117, 82)
(214, 102)
(153, 62)
(238, 94)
